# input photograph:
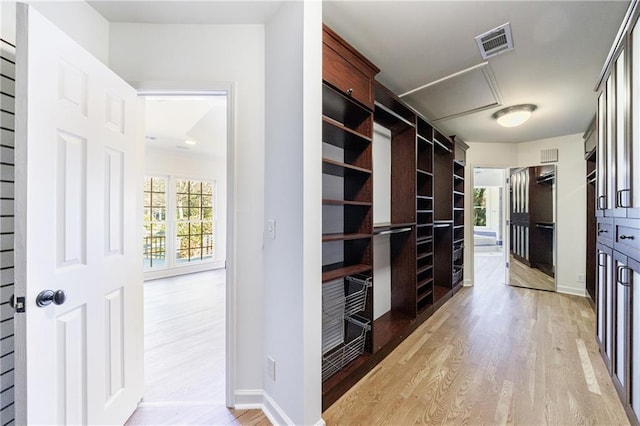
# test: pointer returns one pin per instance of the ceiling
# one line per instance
(559, 50)
(194, 125)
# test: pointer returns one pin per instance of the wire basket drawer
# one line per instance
(333, 303)
(353, 347)
(457, 252)
(457, 275)
(356, 293)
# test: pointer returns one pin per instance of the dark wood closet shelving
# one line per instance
(426, 204)
(333, 272)
(329, 201)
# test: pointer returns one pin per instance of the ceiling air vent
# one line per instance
(496, 41)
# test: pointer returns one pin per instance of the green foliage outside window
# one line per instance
(194, 215)
(479, 207)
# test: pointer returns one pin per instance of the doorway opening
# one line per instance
(488, 218)
(184, 244)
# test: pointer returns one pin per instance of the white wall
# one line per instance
(81, 22)
(159, 162)
(571, 196)
(219, 54)
(571, 204)
(293, 316)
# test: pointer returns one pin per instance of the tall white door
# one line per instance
(79, 358)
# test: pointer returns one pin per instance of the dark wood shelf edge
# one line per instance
(333, 202)
(424, 282)
(332, 164)
(344, 271)
(344, 237)
(341, 127)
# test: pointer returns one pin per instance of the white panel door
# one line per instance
(78, 176)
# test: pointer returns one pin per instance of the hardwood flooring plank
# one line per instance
(185, 354)
(493, 354)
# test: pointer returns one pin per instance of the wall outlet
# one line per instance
(271, 368)
(271, 229)
(580, 278)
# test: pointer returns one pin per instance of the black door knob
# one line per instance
(46, 297)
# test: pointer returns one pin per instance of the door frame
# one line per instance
(165, 88)
(503, 225)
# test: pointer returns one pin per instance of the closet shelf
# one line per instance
(332, 202)
(341, 108)
(335, 133)
(421, 256)
(423, 139)
(424, 197)
(424, 269)
(389, 118)
(337, 168)
(424, 172)
(424, 295)
(344, 237)
(332, 272)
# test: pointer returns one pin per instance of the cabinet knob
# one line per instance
(627, 237)
(350, 91)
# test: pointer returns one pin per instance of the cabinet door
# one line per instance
(602, 170)
(605, 296)
(609, 194)
(634, 344)
(622, 145)
(634, 156)
(623, 277)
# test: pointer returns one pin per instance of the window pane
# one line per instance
(159, 185)
(207, 188)
(182, 186)
(158, 199)
(206, 201)
(154, 215)
(196, 187)
(182, 207)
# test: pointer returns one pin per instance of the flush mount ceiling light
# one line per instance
(190, 142)
(514, 115)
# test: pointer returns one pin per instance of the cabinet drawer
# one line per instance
(341, 74)
(628, 238)
(604, 231)
(346, 69)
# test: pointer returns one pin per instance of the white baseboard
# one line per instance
(467, 283)
(274, 413)
(251, 399)
(571, 290)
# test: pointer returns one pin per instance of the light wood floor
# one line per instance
(185, 353)
(494, 354)
(523, 276)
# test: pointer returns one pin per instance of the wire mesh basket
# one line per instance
(457, 252)
(355, 337)
(457, 275)
(333, 305)
(356, 293)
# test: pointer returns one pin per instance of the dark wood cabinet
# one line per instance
(346, 70)
(617, 209)
(425, 229)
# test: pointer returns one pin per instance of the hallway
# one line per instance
(494, 354)
(185, 353)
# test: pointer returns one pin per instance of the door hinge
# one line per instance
(17, 303)
(507, 265)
